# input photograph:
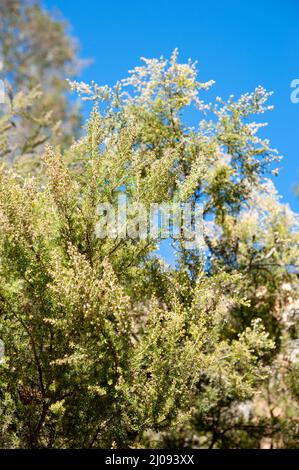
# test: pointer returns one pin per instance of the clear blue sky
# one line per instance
(239, 44)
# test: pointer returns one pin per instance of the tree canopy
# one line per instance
(105, 344)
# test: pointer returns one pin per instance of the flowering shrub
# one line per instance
(106, 345)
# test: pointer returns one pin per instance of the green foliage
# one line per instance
(36, 55)
(106, 346)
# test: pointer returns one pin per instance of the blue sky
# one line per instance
(239, 44)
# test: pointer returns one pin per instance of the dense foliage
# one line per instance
(106, 345)
(36, 57)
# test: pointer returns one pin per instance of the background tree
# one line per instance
(37, 55)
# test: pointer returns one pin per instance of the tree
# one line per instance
(37, 55)
(106, 346)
